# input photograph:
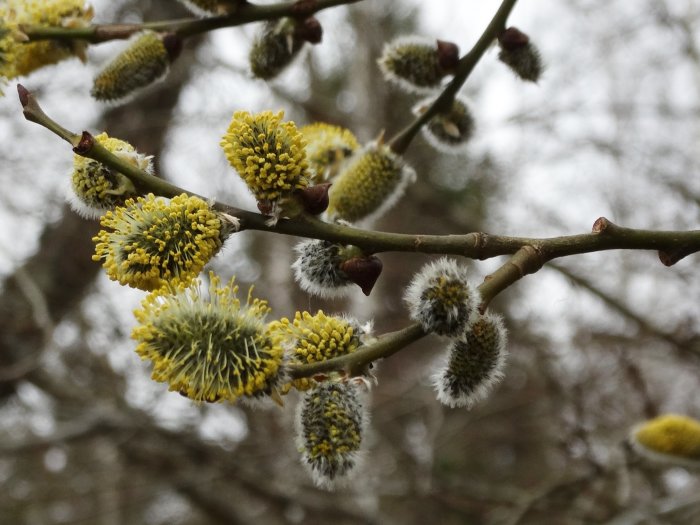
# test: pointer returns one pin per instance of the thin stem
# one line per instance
(400, 142)
(242, 14)
(385, 346)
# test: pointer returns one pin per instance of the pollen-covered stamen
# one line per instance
(150, 242)
(441, 298)
(267, 153)
(370, 184)
(670, 438)
(314, 338)
(331, 422)
(474, 364)
(209, 348)
(18, 58)
(97, 188)
(327, 148)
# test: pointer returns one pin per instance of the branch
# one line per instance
(242, 14)
(400, 142)
(528, 254)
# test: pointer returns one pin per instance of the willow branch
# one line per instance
(385, 346)
(477, 245)
(400, 142)
(242, 14)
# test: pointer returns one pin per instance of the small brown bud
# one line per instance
(600, 225)
(173, 45)
(266, 207)
(23, 93)
(448, 55)
(309, 30)
(363, 271)
(513, 38)
(315, 198)
(87, 141)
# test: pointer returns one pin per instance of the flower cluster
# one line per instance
(474, 363)
(372, 182)
(146, 60)
(96, 188)
(209, 348)
(443, 301)
(267, 153)
(315, 338)
(418, 64)
(669, 439)
(451, 130)
(150, 242)
(317, 269)
(331, 421)
(441, 298)
(520, 55)
(274, 48)
(327, 148)
(18, 58)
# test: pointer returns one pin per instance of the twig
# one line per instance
(243, 14)
(400, 142)
(528, 254)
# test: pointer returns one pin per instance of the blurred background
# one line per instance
(597, 342)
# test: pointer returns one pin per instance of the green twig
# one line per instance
(400, 142)
(242, 14)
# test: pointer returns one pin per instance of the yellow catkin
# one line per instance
(314, 338)
(144, 62)
(97, 188)
(373, 180)
(267, 153)
(209, 347)
(671, 434)
(150, 242)
(327, 147)
(18, 58)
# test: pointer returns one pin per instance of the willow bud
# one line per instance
(520, 55)
(669, 439)
(474, 363)
(331, 421)
(144, 62)
(449, 131)
(373, 180)
(96, 188)
(279, 42)
(417, 64)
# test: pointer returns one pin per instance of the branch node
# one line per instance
(23, 95)
(601, 225)
(86, 143)
(671, 257)
(304, 8)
